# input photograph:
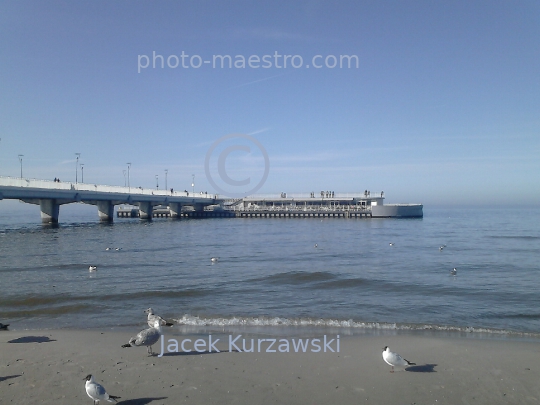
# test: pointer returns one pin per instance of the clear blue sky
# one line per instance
(444, 106)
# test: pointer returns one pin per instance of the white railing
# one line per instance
(55, 185)
(316, 196)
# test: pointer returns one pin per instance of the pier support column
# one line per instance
(198, 207)
(105, 211)
(145, 210)
(175, 209)
(49, 211)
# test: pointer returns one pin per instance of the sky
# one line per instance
(434, 102)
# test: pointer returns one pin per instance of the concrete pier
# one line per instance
(145, 210)
(49, 211)
(175, 209)
(105, 211)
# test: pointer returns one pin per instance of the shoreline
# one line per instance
(47, 366)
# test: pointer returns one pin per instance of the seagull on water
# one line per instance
(391, 244)
(152, 318)
(316, 246)
(394, 359)
(441, 248)
(108, 248)
(92, 268)
(453, 272)
(97, 392)
(214, 259)
(146, 337)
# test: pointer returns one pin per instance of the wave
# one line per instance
(233, 321)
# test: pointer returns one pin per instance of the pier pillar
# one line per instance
(175, 209)
(105, 211)
(145, 210)
(49, 211)
(198, 207)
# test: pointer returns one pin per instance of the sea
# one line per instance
(354, 274)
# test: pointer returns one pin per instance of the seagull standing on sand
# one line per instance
(394, 359)
(146, 337)
(97, 392)
(92, 268)
(152, 318)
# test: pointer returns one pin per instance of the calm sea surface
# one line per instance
(270, 272)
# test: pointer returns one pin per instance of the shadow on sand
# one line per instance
(7, 377)
(32, 339)
(425, 368)
(140, 401)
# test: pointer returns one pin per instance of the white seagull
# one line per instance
(92, 268)
(146, 337)
(152, 318)
(391, 244)
(214, 259)
(97, 392)
(453, 272)
(394, 359)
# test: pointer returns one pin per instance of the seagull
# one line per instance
(394, 359)
(453, 272)
(97, 392)
(4, 326)
(214, 259)
(117, 249)
(108, 248)
(146, 337)
(92, 268)
(441, 248)
(316, 246)
(152, 318)
(391, 244)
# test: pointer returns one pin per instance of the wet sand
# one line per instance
(41, 367)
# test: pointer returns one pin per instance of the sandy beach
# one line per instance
(48, 367)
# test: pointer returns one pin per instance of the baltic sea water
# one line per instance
(308, 272)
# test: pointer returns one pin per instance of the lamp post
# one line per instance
(193, 183)
(125, 181)
(166, 172)
(77, 167)
(157, 182)
(82, 172)
(20, 161)
(129, 185)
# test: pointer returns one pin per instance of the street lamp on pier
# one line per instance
(125, 180)
(129, 185)
(20, 161)
(193, 183)
(157, 182)
(82, 172)
(166, 172)
(77, 167)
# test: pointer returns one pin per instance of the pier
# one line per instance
(50, 195)
(136, 202)
(327, 205)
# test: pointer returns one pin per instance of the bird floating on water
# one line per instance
(152, 318)
(391, 244)
(92, 268)
(108, 248)
(395, 360)
(97, 392)
(453, 272)
(118, 249)
(316, 246)
(214, 259)
(146, 337)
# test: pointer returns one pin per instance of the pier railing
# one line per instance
(62, 185)
(315, 196)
